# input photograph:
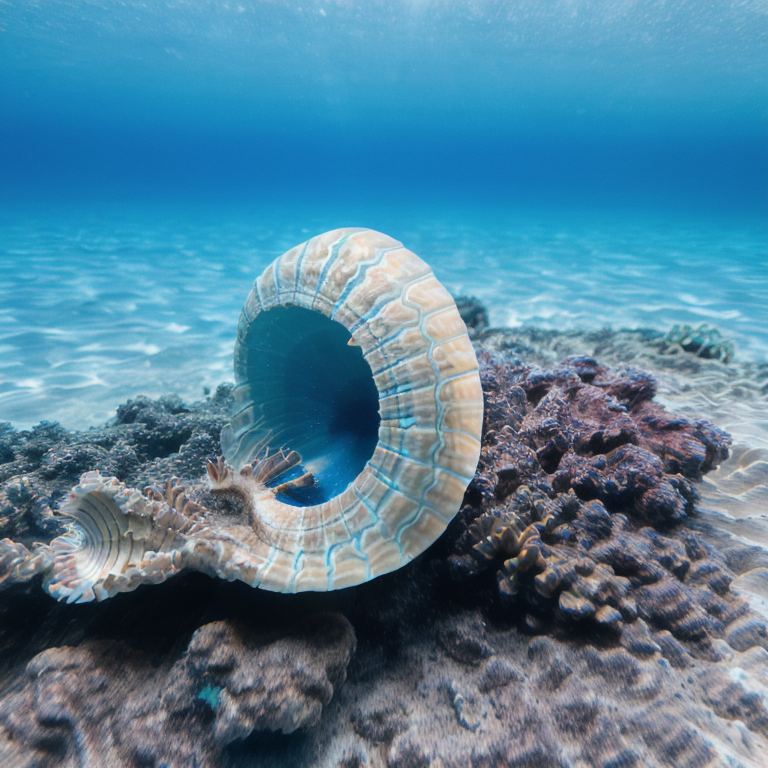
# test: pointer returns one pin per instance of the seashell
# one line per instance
(350, 352)
(355, 432)
(118, 539)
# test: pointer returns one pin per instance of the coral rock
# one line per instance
(278, 687)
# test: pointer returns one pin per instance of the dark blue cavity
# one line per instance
(319, 396)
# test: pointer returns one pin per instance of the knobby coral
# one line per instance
(581, 482)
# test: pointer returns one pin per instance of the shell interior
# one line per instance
(309, 390)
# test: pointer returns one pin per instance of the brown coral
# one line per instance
(576, 464)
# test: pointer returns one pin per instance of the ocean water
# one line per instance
(573, 164)
(95, 309)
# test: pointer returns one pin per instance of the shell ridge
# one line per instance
(451, 338)
(114, 554)
(333, 252)
(358, 554)
(421, 462)
(391, 449)
(435, 510)
(420, 325)
(345, 512)
(274, 526)
(402, 389)
(382, 341)
(276, 275)
(377, 307)
(94, 522)
(299, 264)
(375, 523)
(398, 361)
(319, 526)
(400, 524)
(404, 524)
(463, 434)
(360, 274)
(369, 507)
(262, 571)
(356, 543)
(329, 552)
(443, 432)
(165, 543)
(384, 478)
(299, 298)
(455, 377)
(437, 447)
(436, 368)
(127, 562)
(257, 290)
(298, 563)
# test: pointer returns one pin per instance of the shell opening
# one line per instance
(307, 389)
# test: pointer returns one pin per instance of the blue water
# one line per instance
(574, 164)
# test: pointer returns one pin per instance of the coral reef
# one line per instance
(148, 442)
(575, 612)
(702, 341)
(229, 682)
(580, 474)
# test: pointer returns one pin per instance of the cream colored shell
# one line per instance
(430, 405)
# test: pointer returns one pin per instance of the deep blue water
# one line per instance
(574, 163)
(486, 103)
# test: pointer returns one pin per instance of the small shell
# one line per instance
(351, 352)
(355, 432)
(118, 539)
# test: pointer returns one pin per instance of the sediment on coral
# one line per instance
(575, 613)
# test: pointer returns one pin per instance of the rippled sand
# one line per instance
(95, 309)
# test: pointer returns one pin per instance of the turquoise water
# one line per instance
(573, 164)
